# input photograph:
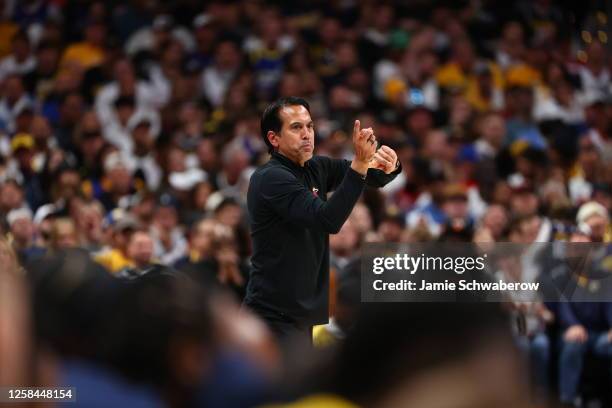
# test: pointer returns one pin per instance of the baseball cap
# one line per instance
(587, 210)
(43, 212)
(186, 180)
(18, 214)
(120, 220)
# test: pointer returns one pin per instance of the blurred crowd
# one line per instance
(129, 131)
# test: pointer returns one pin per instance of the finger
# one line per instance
(376, 163)
(381, 159)
(356, 127)
(388, 150)
(371, 149)
(385, 155)
(367, 132)
(366, 138)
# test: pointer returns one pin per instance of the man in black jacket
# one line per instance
(291, 217)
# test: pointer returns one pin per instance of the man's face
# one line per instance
(22, 229)
(524, 203)
(121, 179)
(140, 249)
(296, 138)
(166, 217)
(496, 220)
(66, 235)
(597, 225)
(202, 240)
(11, 196)
(494, 129)
(530, 229)
(230, 215)
(142, 137)
(68, 184)
(455, 207)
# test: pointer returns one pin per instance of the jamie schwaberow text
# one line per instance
(462, 285)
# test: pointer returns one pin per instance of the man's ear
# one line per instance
(273, 138)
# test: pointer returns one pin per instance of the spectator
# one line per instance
(594, 219)
(14, 102)
(169, 243)
(586, 326)
(11, 197)
(342, 246)
(63, 234)
(20, 61)
(217, 77)
(89, 225)
(140, 254)
(214, 258)
(89, 145)
(346, 308)
(125, 96)
(91, 51)
(117, 182)
(119, 228)
(40, 80)
(23, 233)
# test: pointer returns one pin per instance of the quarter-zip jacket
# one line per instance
(291, 219)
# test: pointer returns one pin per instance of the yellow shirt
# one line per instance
(85, 54)
(113, 260)
(451, 75)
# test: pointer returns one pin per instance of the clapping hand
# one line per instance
(384, 159)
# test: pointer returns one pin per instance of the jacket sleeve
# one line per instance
(337, 168)
(287, 196)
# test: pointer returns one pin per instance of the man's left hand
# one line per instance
(384, 159)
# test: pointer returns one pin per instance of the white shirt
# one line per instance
(148, 97)
(8, 113)
(9, 65)
(176, 252)
(215, 84)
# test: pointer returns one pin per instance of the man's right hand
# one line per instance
(364, 143)
(576, 333)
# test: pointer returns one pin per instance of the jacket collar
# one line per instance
(284, 160)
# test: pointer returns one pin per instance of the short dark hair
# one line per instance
(271, 121)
